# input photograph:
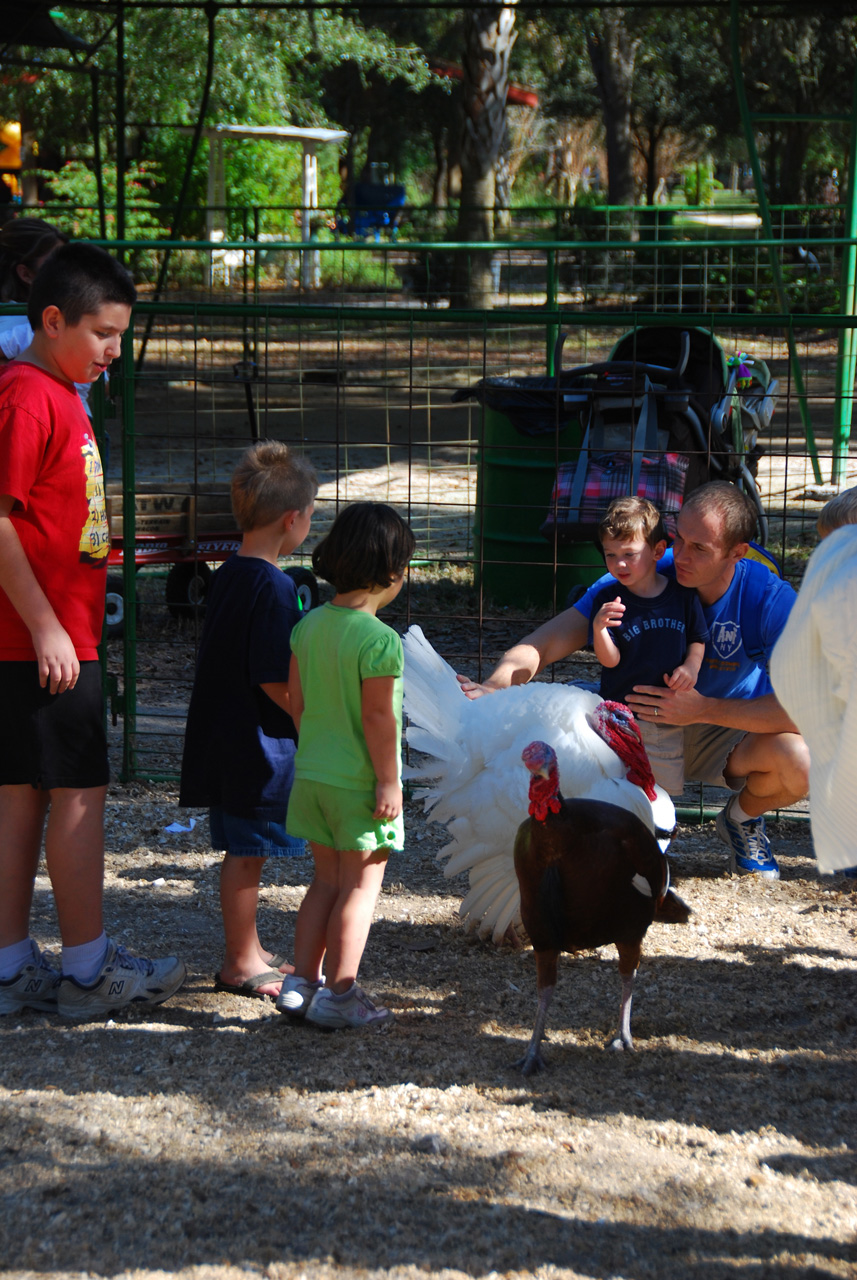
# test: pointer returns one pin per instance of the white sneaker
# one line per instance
(123, 980)
(352, 1009)
(34, 987)
(296, 995)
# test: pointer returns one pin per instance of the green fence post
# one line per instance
(552, 330)
(846, 365)
(129, 567)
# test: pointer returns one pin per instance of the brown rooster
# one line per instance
(589, 873)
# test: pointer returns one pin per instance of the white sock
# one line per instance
(737, 814)
(13, 959)
(84, 962)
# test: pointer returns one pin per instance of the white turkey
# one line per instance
(478, 788)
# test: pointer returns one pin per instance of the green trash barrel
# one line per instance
(515, 563)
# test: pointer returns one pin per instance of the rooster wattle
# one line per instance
(589, 874)
(477, 787)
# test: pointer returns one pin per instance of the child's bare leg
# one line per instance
(314, 913)
(22, 820)
(239, 901)
(360, 879)
(74, 852)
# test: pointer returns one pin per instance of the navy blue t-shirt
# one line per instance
(653, 638)
(239, 745)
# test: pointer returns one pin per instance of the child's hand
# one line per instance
(682, 678)
(59, 666)
(609, 615)
(388, 801)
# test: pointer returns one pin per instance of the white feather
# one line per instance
(478, 784)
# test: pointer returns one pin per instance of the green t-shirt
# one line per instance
(336, 650)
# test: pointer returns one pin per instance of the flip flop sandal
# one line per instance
(250, 986)
(276, 961)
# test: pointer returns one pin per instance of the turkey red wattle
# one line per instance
(540, 759)
(615, 723)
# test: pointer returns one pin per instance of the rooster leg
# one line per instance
(532, 1060)
(629, 959)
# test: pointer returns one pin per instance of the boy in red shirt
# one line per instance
(53, 557)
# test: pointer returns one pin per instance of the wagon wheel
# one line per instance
(186, 588)
(306, 584)
(114, 606)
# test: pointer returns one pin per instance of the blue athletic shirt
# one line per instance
(727, 672)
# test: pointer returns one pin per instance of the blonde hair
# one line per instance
(268, 481)
(838, 511)
(631, 518)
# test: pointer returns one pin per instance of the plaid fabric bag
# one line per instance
(585, 488)
(607, 476)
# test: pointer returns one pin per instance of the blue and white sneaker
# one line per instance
(749, 846)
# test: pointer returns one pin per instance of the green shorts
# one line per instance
(340, 818)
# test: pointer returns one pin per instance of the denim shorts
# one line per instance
(252, 837)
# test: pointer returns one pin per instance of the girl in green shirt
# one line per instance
(346, 700)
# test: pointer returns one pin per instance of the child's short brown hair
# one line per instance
(633, 518)
(838, 511)
(268, 481)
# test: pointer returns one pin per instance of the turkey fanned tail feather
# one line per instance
(476, 785)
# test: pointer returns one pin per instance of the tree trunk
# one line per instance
(441, 169)
(612, 53)
(792, 188)
(490, 35)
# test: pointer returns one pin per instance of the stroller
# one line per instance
(664, 414)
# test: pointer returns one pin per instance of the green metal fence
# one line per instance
(367, 393)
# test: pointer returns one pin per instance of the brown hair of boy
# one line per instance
(268, 481)
(633, 518)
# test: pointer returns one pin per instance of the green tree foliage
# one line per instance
(270, 68)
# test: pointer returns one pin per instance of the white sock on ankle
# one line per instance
(737, 814)
(13, 959)
(84, 962)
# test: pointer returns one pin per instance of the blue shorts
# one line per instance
(252, 837)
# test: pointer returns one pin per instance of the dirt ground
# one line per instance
(212, 1138)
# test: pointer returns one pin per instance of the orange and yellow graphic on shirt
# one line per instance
(95, 536)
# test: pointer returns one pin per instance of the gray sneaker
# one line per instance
(296, 994)
(352, 1009)
(35, 987)
(124, 980)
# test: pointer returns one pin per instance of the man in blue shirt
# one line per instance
(737, 734)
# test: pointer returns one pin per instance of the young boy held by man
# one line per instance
(240, 740)
(648, 629)
(53, 560)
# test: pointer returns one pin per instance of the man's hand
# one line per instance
(667, 706)
(471, 689)
(58, 663)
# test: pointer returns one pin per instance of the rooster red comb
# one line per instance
(615, 724)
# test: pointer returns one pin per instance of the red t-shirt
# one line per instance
(49, 464)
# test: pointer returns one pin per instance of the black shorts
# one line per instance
(52, 739)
